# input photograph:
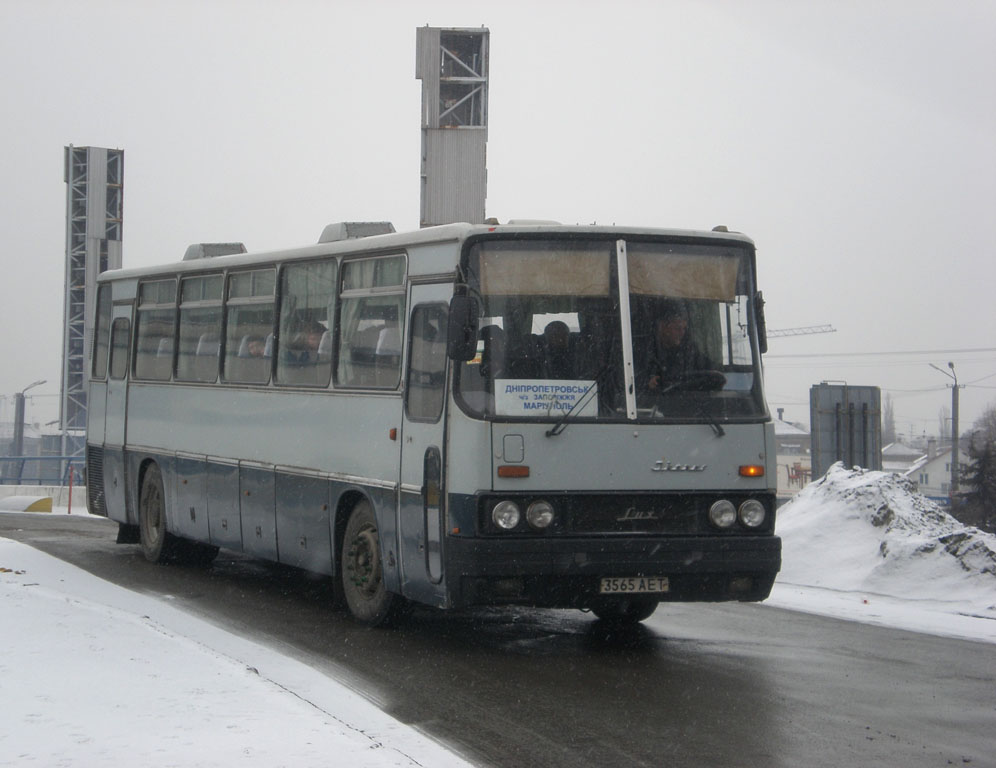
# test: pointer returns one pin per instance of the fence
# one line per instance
(40, 470)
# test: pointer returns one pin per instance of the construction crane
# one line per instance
(801, 331)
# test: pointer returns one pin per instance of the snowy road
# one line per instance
(744, 685)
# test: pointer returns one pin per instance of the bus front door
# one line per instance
(422, 499)
(115, 416)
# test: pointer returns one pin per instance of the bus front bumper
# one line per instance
(568, 572)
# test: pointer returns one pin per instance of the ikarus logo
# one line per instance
(663, 465)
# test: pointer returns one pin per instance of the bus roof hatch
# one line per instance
(207, 250)
(348, 230)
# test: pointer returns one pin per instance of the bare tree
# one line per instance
(944, 423)
(888, 422)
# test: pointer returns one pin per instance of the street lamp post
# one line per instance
(954, 428)
(17, 449)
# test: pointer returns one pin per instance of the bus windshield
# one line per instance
(551, 336)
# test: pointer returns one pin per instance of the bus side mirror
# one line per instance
(461, 329)
(762, 329)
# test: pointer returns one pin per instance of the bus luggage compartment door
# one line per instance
(259, 517)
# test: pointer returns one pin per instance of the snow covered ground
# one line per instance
(94, 674)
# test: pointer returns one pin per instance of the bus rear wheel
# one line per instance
(363, 572)
(625, 611)
(156, 543)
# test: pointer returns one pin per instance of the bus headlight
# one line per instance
(752, 513)
(506, 515)
(540, 514)
(722, 513)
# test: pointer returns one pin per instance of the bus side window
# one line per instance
(197, 358)
(102, 332)
(307, 306)
(155, 325)
(371, 323)
(370, 343)
(120, 343)
(427, 363)
(249, 315)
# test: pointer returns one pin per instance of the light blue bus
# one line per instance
(528, 414)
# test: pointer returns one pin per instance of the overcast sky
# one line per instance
(854, 141)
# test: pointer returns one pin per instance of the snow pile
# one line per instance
(866, 531)
(94, 674)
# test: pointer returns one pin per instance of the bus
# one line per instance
(464, 415)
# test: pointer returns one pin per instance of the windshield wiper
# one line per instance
(712, 422)
(582, 401)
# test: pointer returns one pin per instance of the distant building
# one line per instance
(898, 457)
(792, 449)
(845, 424)
(932, 473)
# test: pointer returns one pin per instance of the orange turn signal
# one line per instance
(513, 470)
(751, 470)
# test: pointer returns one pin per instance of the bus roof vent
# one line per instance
(207, 250)
(349, 230)
(531, 222)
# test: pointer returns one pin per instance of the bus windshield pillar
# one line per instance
(627, 329)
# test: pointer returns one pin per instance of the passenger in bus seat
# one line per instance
(525, 357)
(558, 360)
(252, 346)
(304, 345)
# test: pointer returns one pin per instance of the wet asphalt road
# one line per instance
(702, 685)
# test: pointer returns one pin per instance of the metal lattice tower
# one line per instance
(453, 67)
(94, 204)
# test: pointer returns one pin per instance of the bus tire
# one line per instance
(625, 611)
(363, 572)
(156, 542)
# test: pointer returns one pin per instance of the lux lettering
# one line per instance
(638, 514)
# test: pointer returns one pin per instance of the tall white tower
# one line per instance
(94, 205)
(453, 67)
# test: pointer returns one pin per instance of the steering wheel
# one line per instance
(696, 381)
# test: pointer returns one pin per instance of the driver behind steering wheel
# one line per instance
(672, 355)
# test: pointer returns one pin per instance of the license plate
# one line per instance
(633, 585)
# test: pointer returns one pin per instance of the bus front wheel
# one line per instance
(155, 541)
(363, 571)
